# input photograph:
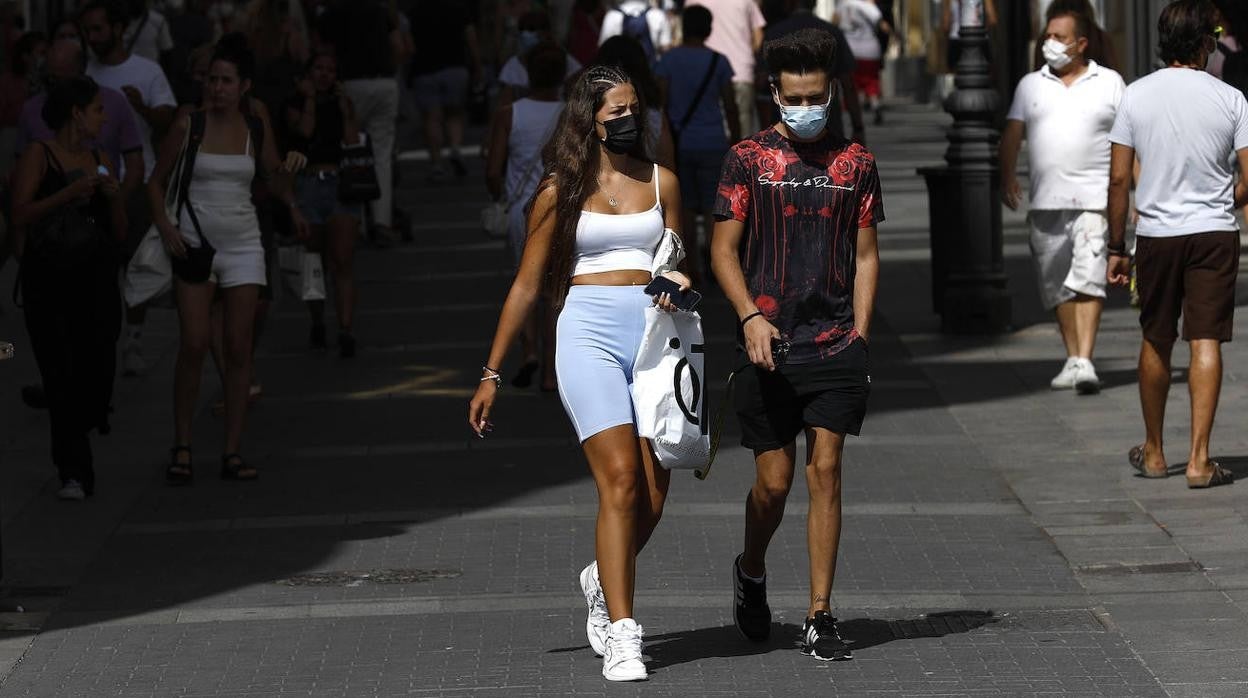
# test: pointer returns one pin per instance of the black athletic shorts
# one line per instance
(775, 407)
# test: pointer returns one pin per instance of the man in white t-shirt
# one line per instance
(1182, 125)
(148, 34)
(658, 26)
(860, 20)
(1066, 109)
(150, 97)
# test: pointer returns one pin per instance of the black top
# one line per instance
(325, 145)
(438, 28)
(55, 178)
(359, 30)
(802, 205)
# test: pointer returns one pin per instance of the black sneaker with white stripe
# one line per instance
(749, 609)
(821, 640)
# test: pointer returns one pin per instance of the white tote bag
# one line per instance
(149, 273)
(669, 389)
(302, 273)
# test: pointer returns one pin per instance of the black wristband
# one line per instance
(1120, 251)
(749, 317)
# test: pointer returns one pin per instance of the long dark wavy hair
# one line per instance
(572, 160)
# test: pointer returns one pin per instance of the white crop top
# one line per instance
(617, 241)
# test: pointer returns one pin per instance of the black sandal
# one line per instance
(233, 468)
(178, 473)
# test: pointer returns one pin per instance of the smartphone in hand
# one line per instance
(685, 300)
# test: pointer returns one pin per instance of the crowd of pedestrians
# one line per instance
(154, 147)
(722, 125)
(700, 143)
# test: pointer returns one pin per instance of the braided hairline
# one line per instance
(606, 74)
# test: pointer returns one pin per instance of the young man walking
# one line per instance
(1066, 110)
(1182, 124)
(795, 252)
(152, 101)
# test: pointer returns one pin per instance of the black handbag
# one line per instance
(68, 236)
(357, 174)
(196, 266)
(65, 238)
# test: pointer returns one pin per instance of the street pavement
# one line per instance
(995, 541)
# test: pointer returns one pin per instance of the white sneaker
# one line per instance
(622, 660)
(598, 622)
(1086, 380)
(132, 363)
(71, 491)
(1066, 379)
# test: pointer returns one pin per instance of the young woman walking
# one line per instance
(71, 219)
(594, 227)
(216, 208)
(321, 120)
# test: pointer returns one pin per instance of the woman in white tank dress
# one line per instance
(594, 227)
(232, 148)
(513, 170)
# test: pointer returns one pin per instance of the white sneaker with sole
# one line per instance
(1086, 380)
(71, 491)
(598, 622)
(1066, 379)
(622, 660)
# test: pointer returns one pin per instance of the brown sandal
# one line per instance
(1219, 476)
(1136, 457)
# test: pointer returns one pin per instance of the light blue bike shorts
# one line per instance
(597, 339)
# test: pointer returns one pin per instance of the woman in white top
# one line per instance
(512, 172)
(594, 227)
(231, 149)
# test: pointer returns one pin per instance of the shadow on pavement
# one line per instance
(671, 649)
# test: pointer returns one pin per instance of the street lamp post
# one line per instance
(968, 259)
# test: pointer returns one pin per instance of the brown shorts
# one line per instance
(1189, 274)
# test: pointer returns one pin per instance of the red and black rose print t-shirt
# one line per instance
(802, 205)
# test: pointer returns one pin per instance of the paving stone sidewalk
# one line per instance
(996, 543)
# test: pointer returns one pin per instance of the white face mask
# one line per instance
(1055, 54)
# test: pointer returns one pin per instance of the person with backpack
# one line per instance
(697, 84)
(213, 237)
(1066, 110)
(68, 208)
(639, 20)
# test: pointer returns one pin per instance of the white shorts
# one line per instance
(1068, 247)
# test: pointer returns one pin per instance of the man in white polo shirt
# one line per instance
(1066, 110)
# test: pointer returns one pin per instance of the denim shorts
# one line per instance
(317, 194)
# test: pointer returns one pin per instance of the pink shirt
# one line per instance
(732, 33)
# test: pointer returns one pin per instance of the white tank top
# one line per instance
(618, 241)
(532, 122)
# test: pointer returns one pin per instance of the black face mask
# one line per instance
(622, 134)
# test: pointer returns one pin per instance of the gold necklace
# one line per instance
(611, 200)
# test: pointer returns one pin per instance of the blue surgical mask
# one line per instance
(805, 122)
(526, 41)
